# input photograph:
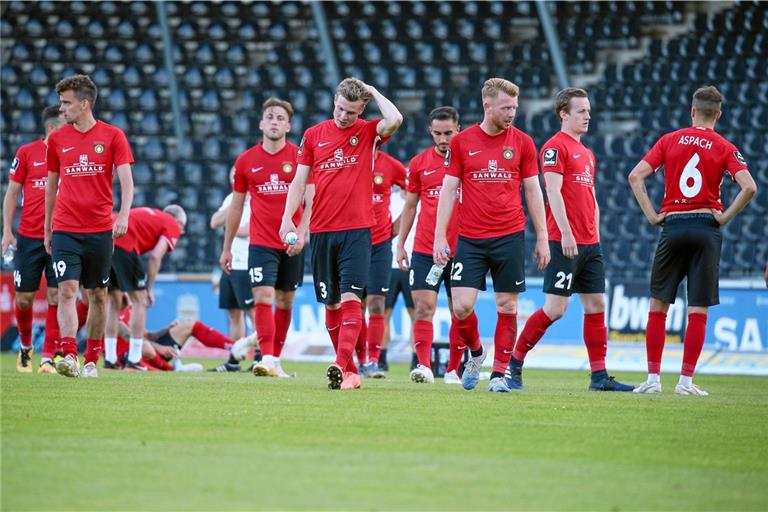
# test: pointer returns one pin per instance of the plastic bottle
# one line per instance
(8, 256)
(433, 277)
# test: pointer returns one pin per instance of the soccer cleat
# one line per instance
(266, 367)
(226, 367)
(351, 381)
(134, 367)
(282, 374)
(335, 376)
(498, 385)
(471, 375)
(383, 366)
(373, 371)
(68, 367)
(452, 377)
(691, 389)
(609, 384)
(89, 371)
(514, 377)
(188, 367)
(241, 347)
(648, 387)
(47, 367)
(109, 365)
(24, 360)
(422, 374)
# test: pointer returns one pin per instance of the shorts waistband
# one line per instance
(697, 218)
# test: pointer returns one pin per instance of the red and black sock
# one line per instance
(533, 330)
(469, 333)
(351, 319)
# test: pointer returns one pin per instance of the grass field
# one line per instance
(165, 441)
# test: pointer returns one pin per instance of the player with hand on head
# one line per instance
(695, 161)
(425, 180)
(492, 161)
(28, 175)
(78, 231)
(275, 266)
(339, 154)
(573, 224)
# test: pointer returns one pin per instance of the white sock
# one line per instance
(134, 350)
(110, 349)
(653, 377)
(685, 381)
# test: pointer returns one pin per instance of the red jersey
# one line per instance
(29, 169)
(425, 177)
(146, 226)
(695, 161)
(267, 177)
(341, 163)
(565, 155)
(387, 171)
(491, 170)
(85, 163)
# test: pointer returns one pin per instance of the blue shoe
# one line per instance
(498, 385)
(514, 376)
(471, 375)
(609, 384)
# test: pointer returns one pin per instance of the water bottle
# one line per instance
(8, 256)
(433, 277)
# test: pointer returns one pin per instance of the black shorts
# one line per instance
(421, 264)
(689, 246)
(380, 270)
(128, 272)
(84, 257)
(504, 256)
(273, 267)
(399, 284)
(28, 264)
(235, 290)
(583, 274)
(340, 263)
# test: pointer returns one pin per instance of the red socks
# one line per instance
(160, 363)
(504, 341)
(596, 340)
(68, 346)
(52, 334)
(423, 334)
(351, 319)
(534, 329)
(82, 314)
(456, 347)
(92, 349)
(265, 328)
(376, 326)
(655, 333)
(282, 323)
(332, 324)
(211, 337)
(24, 324)
(693, 342)
(468, 331)
(360, 346)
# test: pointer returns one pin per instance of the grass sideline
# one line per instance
(164, 441)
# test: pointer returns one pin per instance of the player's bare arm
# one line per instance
(126, 200)
(597, 215)
(51, 188)
(392, 118)
(535, 201)
(153, 267)
(748, 190)
(637, 181)
(445, 205)
(303, 227)
(407, 217)
(554, 184)
(296, 192)
(232, 223)
(9, 209)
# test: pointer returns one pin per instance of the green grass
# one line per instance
(163, 441)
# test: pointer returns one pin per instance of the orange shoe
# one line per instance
(351, 381)
(335, 376)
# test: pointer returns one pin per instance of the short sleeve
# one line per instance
(452, 162)
(240, 183)
(528, 165)
(553, 158)
(122, 150)
(18, 170)
(655, 157)
(735, 161)
(52, 155)
(171, 233)
(306, 153)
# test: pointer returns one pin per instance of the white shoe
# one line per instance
(89, 371)
(280, 372)
(648, 387)
(266, 367)
(240, 348)
(691, 389)
(188, 367)
(452, 377)
(422, 374)
(68, 367)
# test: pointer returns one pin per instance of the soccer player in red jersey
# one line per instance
(387, 171)
(153, 232)
(28, 175)
(266, 170)
(573, 224)
(79, 229)
(695, 161)
(339, 154)
(492, 161)
(425, 179)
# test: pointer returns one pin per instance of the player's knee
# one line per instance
(24, 300)
(67, 293)
(52, 295)
(424, 310)
(376, 305)
(555, 311)
(98, 296)
(461, 310)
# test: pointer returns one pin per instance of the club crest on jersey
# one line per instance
(550, 156)
(447, 161)
(287, 168)
(508, 154)
(378, 179)
(740, 158)
(353, 140)
(98, 147)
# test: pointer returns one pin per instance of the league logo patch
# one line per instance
(447, 161)
(550, 156)
(508, 154)
(378, 179)
(287, 168)
(98, 147)
(14, 165)
(740, 158)
(301, 146)
(353, 140)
